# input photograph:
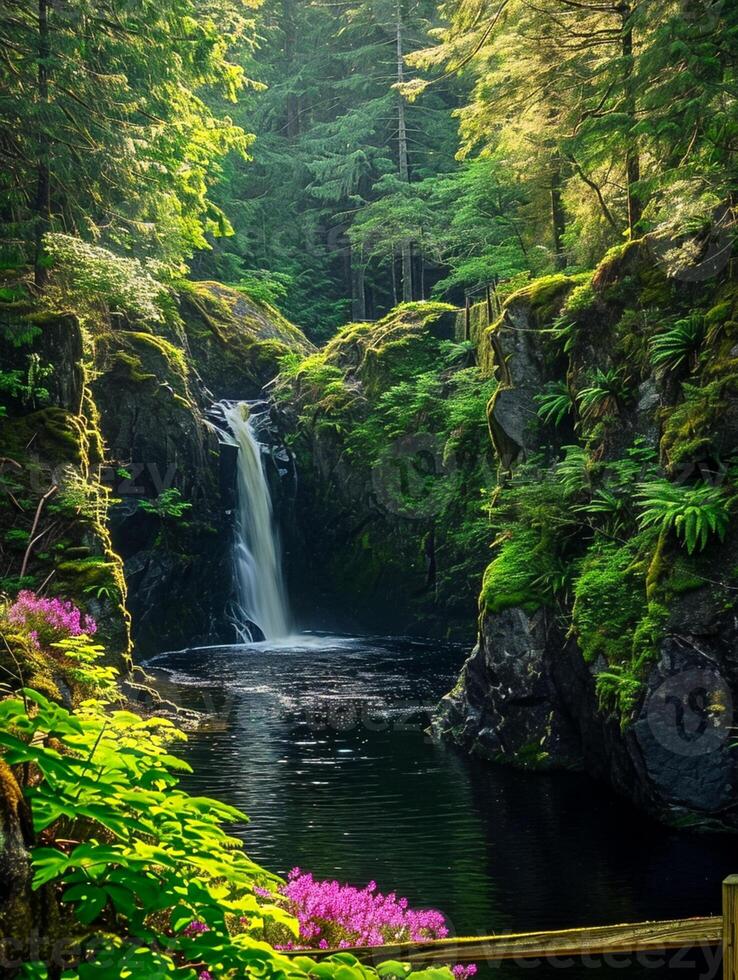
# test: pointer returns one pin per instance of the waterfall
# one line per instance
(262, 600)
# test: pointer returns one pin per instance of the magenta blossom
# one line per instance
(195, 928)
(332, 915)
(49, 620)
(462, 972)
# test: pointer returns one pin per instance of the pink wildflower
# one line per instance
(332, 915)
(49, 620)
(462, 972)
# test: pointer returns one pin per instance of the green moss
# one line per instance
(655, 287)
(88, 572)
(691, 427)
(510, 579)
(58, 434)
(609, 602)
(173, 356)
(580, 300)
(545, 295)
(25, 666)
(131, 367)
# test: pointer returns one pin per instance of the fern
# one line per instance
(679, 345)
(694, 513)
(555, 402)
(573, 472)
(608, 390)
(610, 507)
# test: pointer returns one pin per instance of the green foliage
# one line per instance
(265, 286)
(167, 505)
(609, 601)
(513, 578)
(135, 858)
(115, 129)
(555, 403)
(694, 512)
(679, 345)
(88, 276)
(619, 690)
(27, 386)
(605, 394)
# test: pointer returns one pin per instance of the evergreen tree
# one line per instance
(104, 129)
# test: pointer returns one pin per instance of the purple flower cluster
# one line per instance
(195, 927)
(464, 972)
(333, 915)
(49, 620)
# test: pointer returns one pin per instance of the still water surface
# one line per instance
(321, 741)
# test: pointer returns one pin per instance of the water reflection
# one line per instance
(321, 741)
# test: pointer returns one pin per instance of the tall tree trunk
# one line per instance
(358, 293)
(405, 250)
(632, 155)
(42, 206)
(290, 40)
(558, 219)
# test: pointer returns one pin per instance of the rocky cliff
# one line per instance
(387, 425)
(608, 624)
(110, 416)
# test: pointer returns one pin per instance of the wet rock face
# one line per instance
(155, 393)
(505, 703)
(512, 413)
(683, 729)
(525, 696)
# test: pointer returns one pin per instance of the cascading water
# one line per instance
(262, 600)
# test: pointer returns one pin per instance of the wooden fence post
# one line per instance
(730, 925)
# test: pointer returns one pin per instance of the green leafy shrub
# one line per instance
(27, 386)
(555, 403)
(679, 345)
(694, 512)
(86, 275)
(136, 860)
(605, 394)
(265, 286)
(167, 505)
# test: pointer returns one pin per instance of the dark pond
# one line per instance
(321, 741)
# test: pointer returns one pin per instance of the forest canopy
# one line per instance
(336, 158)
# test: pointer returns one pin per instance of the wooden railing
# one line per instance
(639, 937)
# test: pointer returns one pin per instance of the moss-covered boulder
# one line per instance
(234, 342)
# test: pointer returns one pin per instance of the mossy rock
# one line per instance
(236, 343)
(28, 666)
(56, 434)
(88, 573)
